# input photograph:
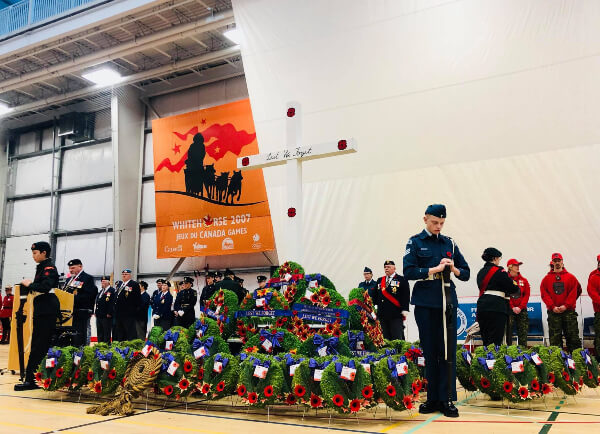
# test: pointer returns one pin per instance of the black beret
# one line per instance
(105, 278)
(188, 279)
(491, 253)
(211, 274)
(228, 272)
(218, 274)
(388, 262)
(437, 210)
(367, 270)
(42, 246)
(261, 278)
(160, 280)
(74, 262)
(238, 279)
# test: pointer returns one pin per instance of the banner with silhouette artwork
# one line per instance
(204, 205)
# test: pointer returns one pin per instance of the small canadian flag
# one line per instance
(50, 363)
(172, 367)
(146, 350)
(200, 352)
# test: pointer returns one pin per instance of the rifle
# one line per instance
(20, 318)
(449, 323)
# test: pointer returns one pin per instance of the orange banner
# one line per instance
(204, 205)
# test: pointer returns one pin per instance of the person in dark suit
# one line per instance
(209, 290)
(105, 310)
(426, 257)
(392, 296)
(141, 319)
(369, 284)
(230, 284)
(129, 299)
(161, 307)
(82, 286)
(185, 303)
(493, 304)
(46, 310)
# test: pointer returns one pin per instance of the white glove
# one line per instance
(180, 312)
(155, 316)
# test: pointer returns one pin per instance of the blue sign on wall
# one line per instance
(467, 315)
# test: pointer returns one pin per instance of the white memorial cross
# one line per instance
(293, 156)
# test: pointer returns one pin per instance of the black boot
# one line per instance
(448, 409)
(26, 385)
(428, 407)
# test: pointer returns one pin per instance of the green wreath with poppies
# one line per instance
(82, 364)
(272, 299)
(56, 368)
(397, 382)
(588, 366)
(346, 386)
(516, 375)
(222, 307)
(321, 345)
(178, 374)
(464, 358)
(482, 374)
(221, 372)
(261, 380)
(271, 341)
(560, 375)
(176, 339)
(106, 371)
(363, 316)
(203, 327)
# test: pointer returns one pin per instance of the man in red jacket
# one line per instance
(6, 313)
(559, 290)
(593, 289)
(518, 303)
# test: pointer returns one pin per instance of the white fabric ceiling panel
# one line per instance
(30, 216)
(86, 209)
(148, 207)
(94, 250)
(88, 165)
(33, 175)
(148, 155)
(28, 142)
(18, 263)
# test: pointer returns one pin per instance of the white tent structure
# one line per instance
(489, 107)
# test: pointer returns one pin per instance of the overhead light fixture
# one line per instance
(234, 35)
(4, 108)
(103, 76)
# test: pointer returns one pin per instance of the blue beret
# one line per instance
(437, 210)
(367, 270)
(126, 270)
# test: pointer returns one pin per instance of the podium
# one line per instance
(66, 319)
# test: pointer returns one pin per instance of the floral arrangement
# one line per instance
(55, 369)
(397, 382)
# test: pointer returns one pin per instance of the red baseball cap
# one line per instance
(598, 258)
(556, 256)
(513, 262)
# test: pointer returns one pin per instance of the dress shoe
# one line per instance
(27, 385)
(448, 409)
(428, 407)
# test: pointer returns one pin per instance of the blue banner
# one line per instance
(467, 315)
(327, 311)
(211, 314)
(262, 313)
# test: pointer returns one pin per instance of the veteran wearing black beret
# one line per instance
(391, 296)
(85, 291)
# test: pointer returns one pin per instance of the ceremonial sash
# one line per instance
(486, 280)
(387, 295)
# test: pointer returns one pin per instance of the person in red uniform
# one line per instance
(593, 289)
(518, 303)
(6, 313)
(559, 290)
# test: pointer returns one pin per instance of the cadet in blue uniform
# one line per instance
(369, 284)
(426, 256)
(161, 307)
(185, 302)
(392, 295)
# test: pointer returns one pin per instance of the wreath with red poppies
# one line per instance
(397, 382)
(222, 307)
(464, 359)
(261, 380)
(178, 374)
(107, 370)
(271, 341)
(334, 344)
(221, 372)
(346, 386)
(82, 362)
(362, 315)
(55, 369)
(587, 365)
(175, 339)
